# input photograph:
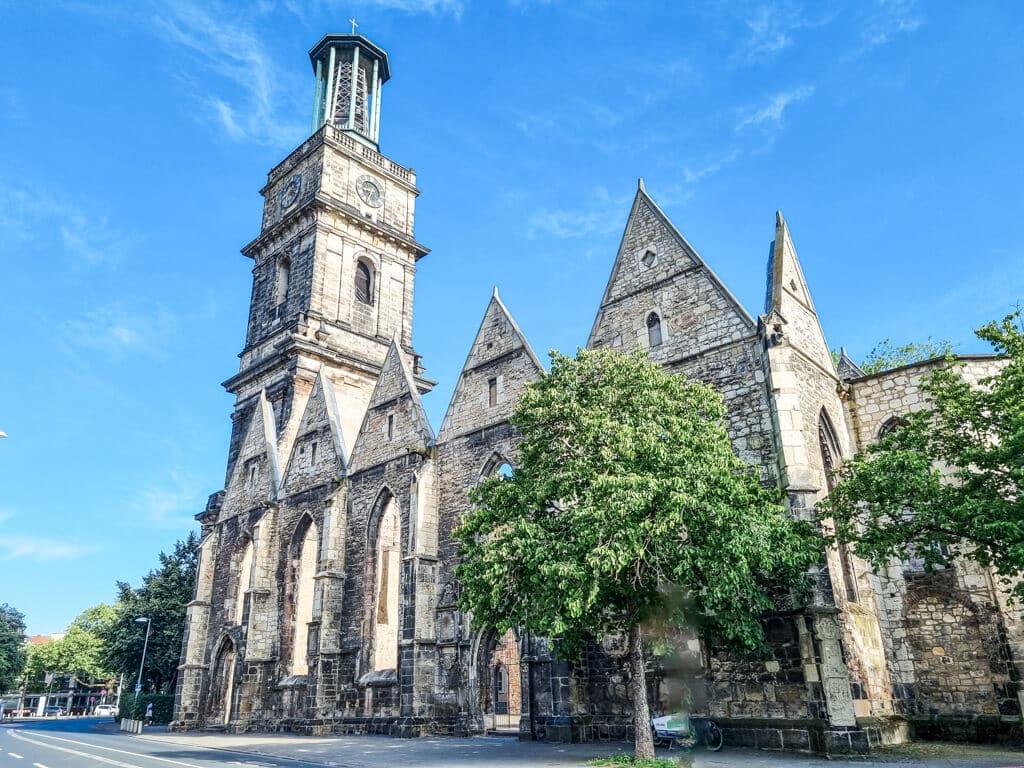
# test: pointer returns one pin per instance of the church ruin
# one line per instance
(326, 601)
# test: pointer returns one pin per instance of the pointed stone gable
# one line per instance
(787, 277)
(846, 368)
(657, 271)
(255, 478)
(789, 300)
(395, 423)
(318, 451)
(499, 365)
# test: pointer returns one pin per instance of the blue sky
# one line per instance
(134, 137)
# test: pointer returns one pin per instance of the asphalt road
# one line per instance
(96, 743)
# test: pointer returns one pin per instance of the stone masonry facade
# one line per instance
(326, 600)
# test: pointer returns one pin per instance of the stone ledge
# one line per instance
(984, 729)
(815, 736)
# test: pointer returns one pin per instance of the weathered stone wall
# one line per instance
(953, 643)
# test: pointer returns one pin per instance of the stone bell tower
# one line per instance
(332, 290)
(335, 260)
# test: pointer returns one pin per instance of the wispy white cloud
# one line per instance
(772, 114)
(15, 546)
(452, 8)
(116, 330)
(171, 502)
(534, 126)
(709, 167)
(40, 548)
(37, 214)
(889, 20)
(12, 106)
(435, 7)
(603, 214)
(773, 27)
(248, 103)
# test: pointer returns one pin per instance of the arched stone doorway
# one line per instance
(222, 683)
(500, 695)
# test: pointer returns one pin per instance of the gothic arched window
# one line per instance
(304, 562)
(890, 426)
(364, 283)
(654, 330)
(384, 620)
(831, 458)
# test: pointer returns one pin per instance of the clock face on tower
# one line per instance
(290, 193)
(369, 191)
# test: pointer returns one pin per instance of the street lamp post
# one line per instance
(145, 645)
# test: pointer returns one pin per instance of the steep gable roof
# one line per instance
(786, 276)
(648, 229)
(846, 368)
(256, 475)
(320, 426)
(395, 423)
(789, 299)
(501, 351)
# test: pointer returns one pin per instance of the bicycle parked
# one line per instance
(681, 730)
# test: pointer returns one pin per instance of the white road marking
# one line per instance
(14, 755)
(39, 765)
(97, 758)
(97, 746)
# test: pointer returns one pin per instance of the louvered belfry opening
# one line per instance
(350, 71)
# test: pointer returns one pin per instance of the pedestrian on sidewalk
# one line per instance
(149, 713)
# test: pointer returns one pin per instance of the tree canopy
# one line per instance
(79, 653)
(885, 355)
(950, 477)
(12, 651)
(626, 487)
(162, 598)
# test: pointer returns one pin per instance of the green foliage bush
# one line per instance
(622, 761)
(163, 707)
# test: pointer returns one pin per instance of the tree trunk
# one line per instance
(644, 743)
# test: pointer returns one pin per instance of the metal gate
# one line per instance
(506, 696)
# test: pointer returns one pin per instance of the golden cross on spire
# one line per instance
(354, 25)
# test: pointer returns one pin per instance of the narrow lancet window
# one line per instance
(364, 283)
(492, 392)
(385, 615)
(831, 458)
(654, 330)
(244, 576)
(304, 569)
(284, 267)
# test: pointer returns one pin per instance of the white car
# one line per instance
(105, 710)
(671, 728)
(679, 730)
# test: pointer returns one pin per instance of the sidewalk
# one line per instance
(445, 752)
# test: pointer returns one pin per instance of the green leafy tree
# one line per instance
(886, 356)
(950, 478)
(627, 488)
(79, 653)
(162, 598)
(95, 619)
(12, 646)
